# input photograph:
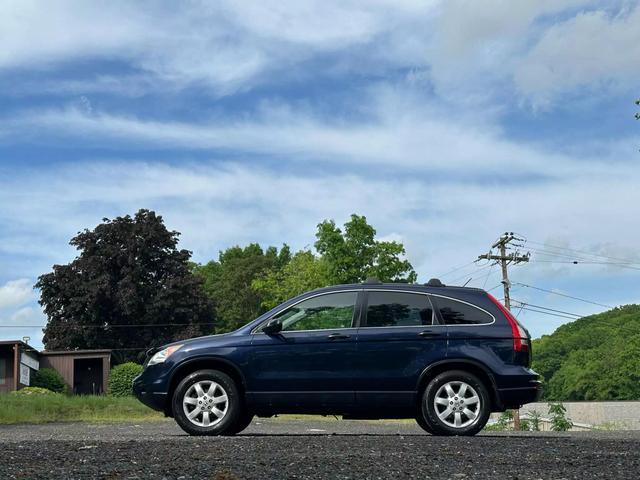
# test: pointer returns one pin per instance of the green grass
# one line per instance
(62, 408)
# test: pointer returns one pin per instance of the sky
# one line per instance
(445, 123)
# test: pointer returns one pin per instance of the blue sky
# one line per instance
(445, 123)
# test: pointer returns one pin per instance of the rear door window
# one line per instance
(454, 312)
(398, 309)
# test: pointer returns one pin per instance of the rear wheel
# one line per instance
(455, 403)
(423, 424)
(207, 402)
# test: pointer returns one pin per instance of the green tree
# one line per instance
(355, 254)
(593, 358)
(304, 272)
(129, 289)
(229, 280)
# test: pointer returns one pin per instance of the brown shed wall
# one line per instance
(63, 363)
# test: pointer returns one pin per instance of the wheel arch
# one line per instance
(470, 366)
(202, 363)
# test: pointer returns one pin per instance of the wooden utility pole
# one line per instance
(505, 259)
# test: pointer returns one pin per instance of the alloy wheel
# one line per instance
(457, 404)
(205, 403)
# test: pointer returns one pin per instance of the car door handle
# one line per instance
(429, 334)
(338, 336)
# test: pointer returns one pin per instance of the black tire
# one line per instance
(423, 424)
(233, 404)
(468, 425)
(241, 424)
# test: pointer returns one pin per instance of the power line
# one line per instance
(467, 275)
(116, 325)
(563, 295)
(547, 308)
(457, 268)
(584, 252)
(549, 313)
(576, 262)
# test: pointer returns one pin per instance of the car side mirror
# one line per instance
(273, 326)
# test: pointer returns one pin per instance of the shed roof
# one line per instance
(76, 352)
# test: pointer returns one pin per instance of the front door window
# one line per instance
(324, 312)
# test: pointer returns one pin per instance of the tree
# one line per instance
(304, 272)
(354, 255)
(229, 282)
(129, 289)
(593, 358)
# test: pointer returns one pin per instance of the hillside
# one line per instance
(593, 358)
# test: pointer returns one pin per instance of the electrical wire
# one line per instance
(457, 268)
(624, 260)
(549, 313)
(562, 295)
(546, 308)
(116, 325)
(471, 274)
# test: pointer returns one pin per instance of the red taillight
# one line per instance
(520, 337)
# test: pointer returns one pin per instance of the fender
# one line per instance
(467, 361)
(203, 358)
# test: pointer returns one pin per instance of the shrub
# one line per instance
(534, 420)
(49, 379)
(121, 379)
(559, 420)
(33, 391)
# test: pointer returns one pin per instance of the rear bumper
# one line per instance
(516, 397)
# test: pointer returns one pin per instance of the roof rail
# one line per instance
(372, 281)
(434, 282)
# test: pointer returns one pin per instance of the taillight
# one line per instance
(519, 334)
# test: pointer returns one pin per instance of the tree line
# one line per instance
(131, 288)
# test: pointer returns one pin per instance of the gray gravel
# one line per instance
(305, 449)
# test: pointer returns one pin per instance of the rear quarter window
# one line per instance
(454, 312)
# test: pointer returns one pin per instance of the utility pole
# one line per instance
(505, 259)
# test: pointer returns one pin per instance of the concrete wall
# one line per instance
(615, 415)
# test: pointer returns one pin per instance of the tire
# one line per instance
(207, 402)
(423, 424)
(241, 424)
(455, 403)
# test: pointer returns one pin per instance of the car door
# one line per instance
(309, 364)
(398, 338)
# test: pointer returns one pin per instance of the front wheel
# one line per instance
(455, 403)
(207, 402)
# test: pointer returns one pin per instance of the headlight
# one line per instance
(162, 355)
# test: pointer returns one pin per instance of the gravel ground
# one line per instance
(309, 449)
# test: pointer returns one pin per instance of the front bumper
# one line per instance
(143, 392)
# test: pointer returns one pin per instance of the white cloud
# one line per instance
(401, 130)
(470, 50)
(225, 45)
(591, 49)
(16, 292)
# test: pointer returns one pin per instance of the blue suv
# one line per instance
(446, 356)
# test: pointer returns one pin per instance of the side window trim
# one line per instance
(354, 320)
(365, 307)
(434, 301)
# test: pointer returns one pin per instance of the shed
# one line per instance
(86, 372)
(18, 361)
